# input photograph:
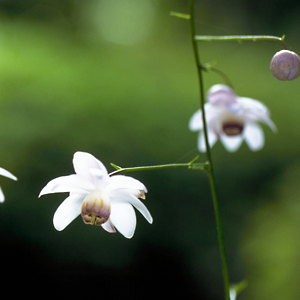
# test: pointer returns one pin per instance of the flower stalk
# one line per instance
(208, 153)
(190, 165)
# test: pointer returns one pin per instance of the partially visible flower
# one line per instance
(236, 289)
(285, 65)
(7, 174)
(232, 294)
(99, 198)
(231, 119)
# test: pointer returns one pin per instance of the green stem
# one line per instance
(239, 38)
(190, 165)
(224, 77)
(208, 154)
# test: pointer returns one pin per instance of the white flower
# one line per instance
(7, 174)
(231, 119)
(99, 198)
(232, 294)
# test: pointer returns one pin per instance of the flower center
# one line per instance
(95, 208)
(233, 127)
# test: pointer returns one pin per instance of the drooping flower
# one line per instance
(231, 119)
(7, 174)
(99, 198)
(285, 65)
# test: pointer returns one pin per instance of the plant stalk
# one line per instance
(208, 154)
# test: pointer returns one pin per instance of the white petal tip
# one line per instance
(129, 236)
(149, 218)
(2, 198)
(7, 174)
(232, 150)
(42, 192)
(59, 229)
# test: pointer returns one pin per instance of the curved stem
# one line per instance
(208, 155)
(224, 77)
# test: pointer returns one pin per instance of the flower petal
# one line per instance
(270, 123)
(254, 110)
(196, 121)
(127, 197)
(2, 198)
(70, 183)
(7, 174)
(124, 182)
(69, 209)
(99, 179)
(231, 143)
(212, 113)
(254, 136)
(108, 226)
(232, 294)
(141, 207)
(123, 218)
(221, 94)
(250, 104)
(212, 138)
(83, 162)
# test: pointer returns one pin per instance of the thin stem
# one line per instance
(208, 154)
(239, 38)
(190, 165)
(224, 76)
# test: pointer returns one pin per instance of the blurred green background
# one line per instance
(116, 78)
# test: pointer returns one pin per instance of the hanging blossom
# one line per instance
(231, 119)
(101, 199)
(7, 174)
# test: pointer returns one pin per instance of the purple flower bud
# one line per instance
(285, 65)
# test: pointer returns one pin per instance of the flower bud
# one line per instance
(285, 65)
(221, 94)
